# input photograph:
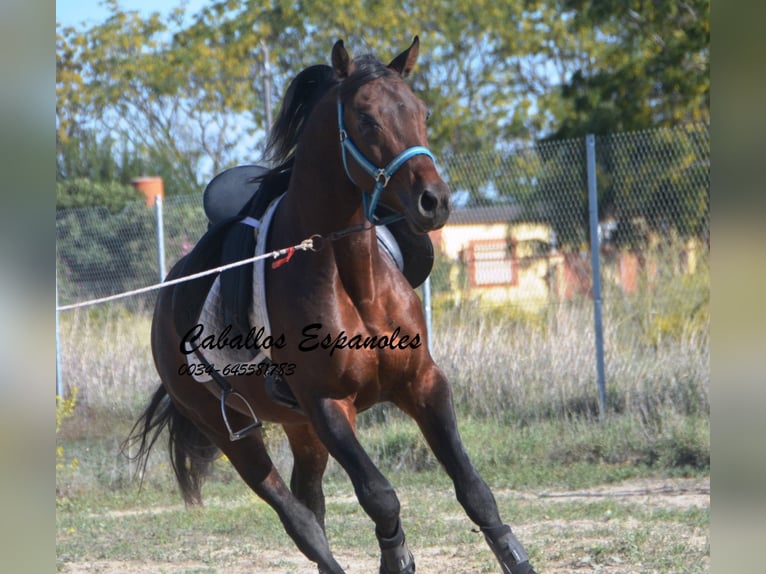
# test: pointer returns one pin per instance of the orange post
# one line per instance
(150, 187)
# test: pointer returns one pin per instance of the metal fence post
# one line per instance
(427, 309)
(590, 146)
(59, 380)
(158, 212)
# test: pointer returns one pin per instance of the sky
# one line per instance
(76, 12)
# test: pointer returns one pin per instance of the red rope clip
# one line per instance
(284, 259)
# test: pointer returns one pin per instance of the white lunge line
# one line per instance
(305, 245)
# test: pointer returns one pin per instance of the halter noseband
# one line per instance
(381, 175)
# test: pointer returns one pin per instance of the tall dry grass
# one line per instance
(522, 370)
(106, 356)
(508, 369)
(517, 369)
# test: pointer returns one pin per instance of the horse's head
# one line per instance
(383, 139)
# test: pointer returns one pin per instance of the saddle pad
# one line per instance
(213, 324)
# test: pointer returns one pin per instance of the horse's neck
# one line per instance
(324, 201)
(358, 265)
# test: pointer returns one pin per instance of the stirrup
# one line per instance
(234, 436)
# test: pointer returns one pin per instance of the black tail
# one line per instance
(191, 451)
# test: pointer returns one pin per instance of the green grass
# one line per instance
(547, 453)
(569, 453)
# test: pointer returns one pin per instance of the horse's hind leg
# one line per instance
(334, 424)
(250, 458)
(309, 463)
(430, 404)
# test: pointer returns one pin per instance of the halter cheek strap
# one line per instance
(381, 175)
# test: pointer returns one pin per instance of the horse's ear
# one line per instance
(341, 62)
(404, 63)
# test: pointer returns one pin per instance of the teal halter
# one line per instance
(381, 175)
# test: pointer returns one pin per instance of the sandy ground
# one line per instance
(568, 543)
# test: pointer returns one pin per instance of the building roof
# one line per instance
(485, 214)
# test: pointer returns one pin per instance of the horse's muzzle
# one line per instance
(432, 206)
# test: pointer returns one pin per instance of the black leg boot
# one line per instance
(395, 556)
(508, 550)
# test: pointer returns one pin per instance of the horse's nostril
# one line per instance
(428, 202)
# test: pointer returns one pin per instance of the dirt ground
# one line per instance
(568, 542)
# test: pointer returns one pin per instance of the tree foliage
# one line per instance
(493, 71)
(102, 253)
(83, 192)
(185, 95)
(647, 64)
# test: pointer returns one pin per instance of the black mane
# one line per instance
(302, 95)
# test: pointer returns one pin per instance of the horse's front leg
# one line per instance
(429, 403)
(334, 422)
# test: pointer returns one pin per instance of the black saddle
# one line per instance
(244, 192)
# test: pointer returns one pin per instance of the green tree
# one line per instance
(495, 74)
(656, 181)
(197, 96)
(100, 253)
(646, 64)
(636, 66)
(123, 80)
(83, 192)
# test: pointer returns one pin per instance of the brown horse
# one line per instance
(348, 288)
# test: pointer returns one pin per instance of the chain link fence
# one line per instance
(511, 292)
(518, 234)
(517, 243)
(522, 235)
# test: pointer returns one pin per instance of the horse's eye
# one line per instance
(366, 120)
